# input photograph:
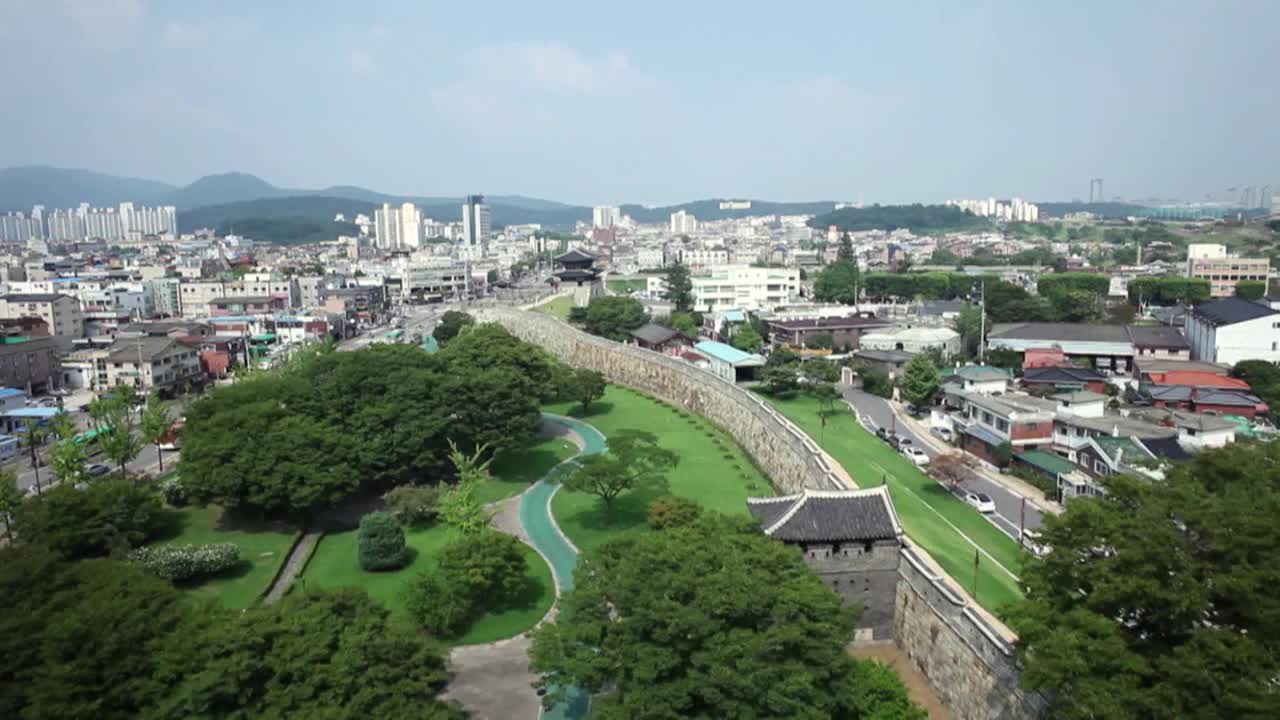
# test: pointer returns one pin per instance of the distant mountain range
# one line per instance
(224, 199)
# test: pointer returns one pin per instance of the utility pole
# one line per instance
(1022, 522)
(982, 332)
(975, 574)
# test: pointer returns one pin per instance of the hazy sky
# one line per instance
(653, 101)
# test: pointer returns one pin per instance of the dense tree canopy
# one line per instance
(614, 317)
(739, 627)
(1168, 290)
(920, 381)
(296, 441)
(679, 288)
(921, 218)
(1158, 600)
(451, 323)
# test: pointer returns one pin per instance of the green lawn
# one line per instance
(558, 307)
(514, 471)
(932, 517)
(713, 470)
(334, 565)
(262, 550)
(622, 286)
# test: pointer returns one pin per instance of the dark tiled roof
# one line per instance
(1231, 310)
(1158, 336)
(1061, 375)
(654, 334)
(1064, 332)
(829, 323)
(34, 297)
(890, 356)
(575, 256)
(828, 516)
(1166, 448)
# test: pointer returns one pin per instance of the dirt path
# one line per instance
(292, 566)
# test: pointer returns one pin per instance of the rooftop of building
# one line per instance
(1062, 375)
(976, 373)
(1231, 310)
(828, 516)
(244, 300)
(727, 353)
(33, 297)
(1116, 425)
(655, 334)
(1078, 397)
(829, 323)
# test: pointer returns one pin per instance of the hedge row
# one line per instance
(183, 562)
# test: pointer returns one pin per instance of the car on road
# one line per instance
(900, 443)
(97, 470)
(883, 434)
(943, 434)
(916, 455)
(981, 502)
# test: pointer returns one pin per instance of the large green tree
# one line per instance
(452, 322)
(920, 381)
(969, 324)
(747, 339)
(1158, 599)
(107, 516)
(614, 317)
(738, 627)
(837, 282)
(634, 459)
(679, 288)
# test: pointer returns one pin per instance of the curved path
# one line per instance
(546, 537)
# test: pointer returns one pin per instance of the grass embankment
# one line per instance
(262, 549)
(621, 287)
(934, 519)
(713, 470)
(558, 307)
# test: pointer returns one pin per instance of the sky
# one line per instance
(655, 101)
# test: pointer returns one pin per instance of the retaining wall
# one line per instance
(969, 664)
(786, 454)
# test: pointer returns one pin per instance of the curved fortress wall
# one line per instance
(968, 663)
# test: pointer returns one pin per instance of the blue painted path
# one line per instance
(545, 536)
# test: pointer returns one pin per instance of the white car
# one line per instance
(942, 433)
(981, 502)
(916, 455)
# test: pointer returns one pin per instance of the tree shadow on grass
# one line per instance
(239, 570)
(170, 524)
(599, 407)
(629, 510)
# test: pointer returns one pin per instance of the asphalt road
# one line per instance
(1010, 506)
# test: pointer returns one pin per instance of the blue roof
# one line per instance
(10, 392)
(735, 316)
(35, 412)
(7, 438)
(722, 352)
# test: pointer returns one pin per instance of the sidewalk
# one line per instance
(1033, 495)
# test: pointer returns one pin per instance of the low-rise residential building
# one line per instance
(1106, 347)
(889, 362)
(61, 312)
(985, 379)
(252, 305)
(660, 339)
(31, 364)
(163, 364)
(1224, 273)
(1065, 379)
(845, 332)
(985, 422)
(728, 362)
(1229, 330)
(1195, 431)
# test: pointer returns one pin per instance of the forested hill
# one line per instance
(710, 210)
(916, 218)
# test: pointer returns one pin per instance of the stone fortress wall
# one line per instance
(967, 657)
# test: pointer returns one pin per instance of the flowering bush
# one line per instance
(183, 562)
(173, 491)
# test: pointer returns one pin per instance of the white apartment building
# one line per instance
(476, 226)
(148, 363)
(61, 312)
(605, 216)
(398, 228)
(708, 259)
(742, 286)
(194, 296)
(650, 258)
(1017, 209)
(683, 223)
(1210, 261)
(162, 297)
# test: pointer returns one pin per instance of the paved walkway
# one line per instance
(493, 680)
(292, 566)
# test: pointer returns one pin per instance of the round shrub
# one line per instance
(380, 543)
(671, 511)
(174, 492)
(185, 562)
(438, 604)
(413, 505)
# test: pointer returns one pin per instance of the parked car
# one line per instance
(916, 455)
(883, 434)
(901, 443)
(981, 502)
(1034, 544)
(943, 434)
(98, 470)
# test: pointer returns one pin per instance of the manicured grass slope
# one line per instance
(622, 286)
(262, 550)
(933, 519)
(712, 471)
(335, 565)
(558, 307)
(514, 471)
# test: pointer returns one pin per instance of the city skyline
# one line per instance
(923, 102)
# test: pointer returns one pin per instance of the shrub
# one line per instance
(380, 543)
(107, 516)
(174, 492)
(437, 604)
(488, 564)
(184, 562)
(413, 505)
(671, 511)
